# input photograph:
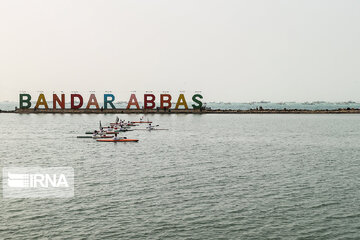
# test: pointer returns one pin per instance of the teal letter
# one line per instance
(197, 101)
(106, 101)
(27, 101)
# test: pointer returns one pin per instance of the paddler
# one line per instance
(102, 132)
(116, 137)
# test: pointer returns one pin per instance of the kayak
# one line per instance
(112, 132)
(152, 129)
(142, 122)
(84, 136)
(95, 136)
(118, 131)
(89, 132)
(104, 136)
(124, 124)
(123, 128)
(117, 140)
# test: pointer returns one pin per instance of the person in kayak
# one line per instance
(116, 137)
(102, 132)
(150, 127)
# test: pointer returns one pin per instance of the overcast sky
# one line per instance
(237, 50)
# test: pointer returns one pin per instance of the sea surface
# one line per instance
(207, 177)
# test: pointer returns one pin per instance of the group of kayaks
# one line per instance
(110, 133)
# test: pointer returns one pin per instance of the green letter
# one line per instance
(27, 101)
(197, 101)
(106, 101)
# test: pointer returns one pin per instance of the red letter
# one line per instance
(73, 96)
(162, 100)
(92, 101)
(133, 101)
(57, 100)
(147, 101)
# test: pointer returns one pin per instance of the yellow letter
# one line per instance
(41, 101)
(181, 101)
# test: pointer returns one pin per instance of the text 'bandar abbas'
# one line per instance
(77, 101)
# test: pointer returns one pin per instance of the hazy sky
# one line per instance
(237, 50)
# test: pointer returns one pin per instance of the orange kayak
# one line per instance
(118, 140)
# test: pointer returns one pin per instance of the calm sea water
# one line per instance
(208, 177)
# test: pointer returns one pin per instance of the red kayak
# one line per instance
(117, 140)
(126, 124)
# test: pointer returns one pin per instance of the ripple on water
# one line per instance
(209, 176)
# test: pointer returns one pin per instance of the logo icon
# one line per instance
(38, 182)
(18, 180)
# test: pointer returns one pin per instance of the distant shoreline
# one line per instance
(182, 111)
